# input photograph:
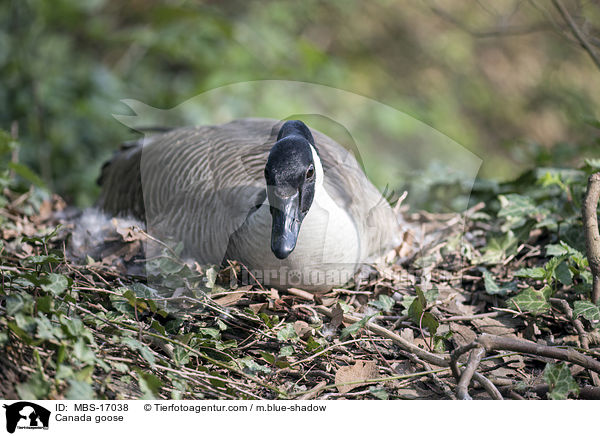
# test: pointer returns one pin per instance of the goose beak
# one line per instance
(286, 224)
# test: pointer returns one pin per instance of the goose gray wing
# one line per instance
(195, 185)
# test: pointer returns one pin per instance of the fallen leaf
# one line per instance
(129, 233)
(258, 307)
(362, 370)
(303, 330)
(229, 299)
(337, 316)
(493, 327)
(461, 334)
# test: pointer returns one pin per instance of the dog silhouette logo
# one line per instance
(26, 415)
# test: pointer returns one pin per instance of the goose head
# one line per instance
(290, 173)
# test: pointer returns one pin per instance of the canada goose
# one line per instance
(289, 203)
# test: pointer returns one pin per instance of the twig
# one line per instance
(462, 389)
(590, 229)
(435, 359)
(301, 294)
(585, 392)
(500, 343)
(470, 317)
(439, 382)
(577, 32)
(494, 32)
(489, 387)
(325, 350)
(566, 309)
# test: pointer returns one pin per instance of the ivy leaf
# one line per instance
(83, 352)
(27, 174)
(144, 351)
(354, 328)
(499, 247)
(537, 273)
(267, 356)
(55, 283)
(491, 287)
(430, 323)
(44, 259)
(287, 333)
(562, 249)
(516, 206)
(36, 388)
(149, 383)
(587, 309)
(379, 392)
(417, 313)
(564, 274)
(385, 303)
(80, 390)
(250, 366)
(560, 381)
(531, 300)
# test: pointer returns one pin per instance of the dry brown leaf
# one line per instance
(229, 299)
(258, 307)
(303, 330)
(362, 370)
(462, 334)
(328, 301)
(337, 316)
(45, 212)
(493, 327)
(130, 233)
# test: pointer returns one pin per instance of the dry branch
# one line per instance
(500, 343)
(590, 228)
(435, 359)
(462, 389)
(566, 309)
(577, 32)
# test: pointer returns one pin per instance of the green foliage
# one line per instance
(287, 333)
(420, 316)
(586, 309)
(492, 288)
(353, 329)
(561, 382)
(532, 301)
(384, 303)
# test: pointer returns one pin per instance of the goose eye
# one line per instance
(310, 172)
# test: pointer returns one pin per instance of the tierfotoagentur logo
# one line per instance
(24, 415)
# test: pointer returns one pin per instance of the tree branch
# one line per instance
(577, 32)
(590, 229)
(500, 343)
(462, 389)
(493, 32)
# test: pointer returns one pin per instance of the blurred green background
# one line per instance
(503, 78)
